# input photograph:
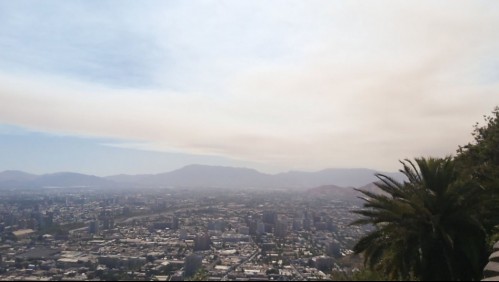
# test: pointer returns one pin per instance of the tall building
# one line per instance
(49, 219)
(108, 223)
(323, 263)
(297, 224)
(269, 217)
(182, 234)
(260, 228)
(307, 224)
(252, 227)
(93, 228)
(202, 243)
(192, 264)
(281, 229)
(333, 250)
(175, 223)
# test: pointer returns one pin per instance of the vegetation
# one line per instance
(479, 161)
(361, 275)
(437, 223)
(200, 275)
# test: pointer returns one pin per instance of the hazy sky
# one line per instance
(108, 87)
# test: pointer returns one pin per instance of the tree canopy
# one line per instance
(435, 225)
(426, 228)
(479, 161)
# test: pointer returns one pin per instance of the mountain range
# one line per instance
(199, 176)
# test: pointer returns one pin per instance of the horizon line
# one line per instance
(202, 165)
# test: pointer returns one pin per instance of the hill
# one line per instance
(199, 176)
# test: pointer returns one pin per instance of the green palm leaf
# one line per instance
(427, 227)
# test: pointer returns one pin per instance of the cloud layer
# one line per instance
(295, 84)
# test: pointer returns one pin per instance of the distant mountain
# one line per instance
(70, 179)
(233, 177)
(17, 179)
(14, 178)
(344, 177)
(211, 176)
(15, 175)
(199, 176)
(371, 187)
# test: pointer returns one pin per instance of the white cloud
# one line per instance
(351, 85)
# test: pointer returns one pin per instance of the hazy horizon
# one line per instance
(203, 165)
(133, 87)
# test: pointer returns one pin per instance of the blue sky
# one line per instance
(132, 87)
(46, 153)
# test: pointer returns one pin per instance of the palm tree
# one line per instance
(427, 227)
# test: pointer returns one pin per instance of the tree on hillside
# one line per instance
(482, 156)
(479, 161)
(426, 228)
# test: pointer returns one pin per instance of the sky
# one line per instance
(109, 87)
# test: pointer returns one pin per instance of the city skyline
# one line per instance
(105, 88)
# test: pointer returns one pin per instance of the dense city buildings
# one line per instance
(175, 234)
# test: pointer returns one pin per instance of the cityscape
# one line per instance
(249, 140)
(174, 234)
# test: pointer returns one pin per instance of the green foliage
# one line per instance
(367, 275)
(361, 275)
(427, 228)
(200, 275)
(482, 156)
(479, 161)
